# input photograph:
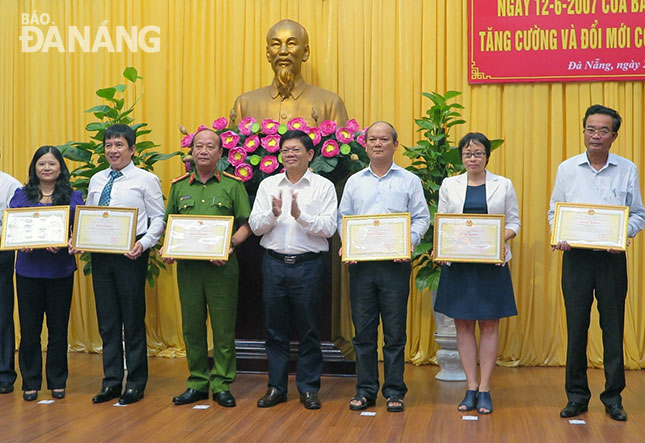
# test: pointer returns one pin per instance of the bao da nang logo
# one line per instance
(40, 34)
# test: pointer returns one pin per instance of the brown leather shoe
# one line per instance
(272, 397)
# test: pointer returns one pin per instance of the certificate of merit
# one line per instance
(37, 227)
(105, 229)
(477, 238)
(590, 226)
(198, 237)
(376, 237)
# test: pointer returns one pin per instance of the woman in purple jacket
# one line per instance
(45, 279)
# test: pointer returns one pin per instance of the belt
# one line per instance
(292, 259)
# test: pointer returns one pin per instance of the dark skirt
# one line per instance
(475, 291)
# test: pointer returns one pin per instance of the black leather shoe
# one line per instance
(30, 396)
(107, 394)
(616, 412)
(58, 394)
(572, 409)
(224, 398)
(190, 396)
(6, 388)
(310, 400)
(131, 395)
(272, 397)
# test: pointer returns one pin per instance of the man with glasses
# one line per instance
(295, 213)
(596, 177)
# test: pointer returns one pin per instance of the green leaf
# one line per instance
(99, 108)
(324, 164)
(106, 92)
(120, 87)
(131, 74)
(77, 155)
(496, 143)
(95, 126)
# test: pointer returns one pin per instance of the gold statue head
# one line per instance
(287, 49)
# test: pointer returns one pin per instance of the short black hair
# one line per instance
(120, 130)
(478, 138)
(297, 134)
(600, 109)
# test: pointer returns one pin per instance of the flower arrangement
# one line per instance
(251, 150)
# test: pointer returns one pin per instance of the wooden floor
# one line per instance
(527, 403)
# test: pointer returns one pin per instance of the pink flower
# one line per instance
(327, 127)
(270, 127)
(187, 140)
(361, 140)
(315, 135)
(344, 135)
(271, 143)
(229, 139)
(245, 125)
(251, 143)
(297, 123)
(220, 123)
(236, 156)
(244, 171)
(353, 126)
(201, 128)
(330, 149)
(269, 164)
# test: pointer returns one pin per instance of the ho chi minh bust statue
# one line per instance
(289, 96)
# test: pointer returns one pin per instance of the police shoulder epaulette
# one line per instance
(234, 177)
(181, 177)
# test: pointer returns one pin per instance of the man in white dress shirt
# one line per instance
(295, 213)
(119, 281)
(8, 186)
(596, 177)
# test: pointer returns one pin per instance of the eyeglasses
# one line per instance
(603, 132)
(294, 151)
(476, 154)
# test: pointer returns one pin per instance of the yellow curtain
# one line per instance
(376, 54)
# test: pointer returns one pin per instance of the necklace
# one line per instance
(46, 195)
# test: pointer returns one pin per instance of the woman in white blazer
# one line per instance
(474, 293)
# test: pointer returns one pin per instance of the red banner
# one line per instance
(512, 41)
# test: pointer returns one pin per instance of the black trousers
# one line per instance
(120, 293)
(379, 290)
(37, 297)
(586, 273)
(7, 333)
(292, 293)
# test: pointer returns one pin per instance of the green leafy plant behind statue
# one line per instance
(433, 159)
(91, 154)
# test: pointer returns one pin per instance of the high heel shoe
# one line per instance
(58, 394)
(30, 395)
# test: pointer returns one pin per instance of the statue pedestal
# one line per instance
(448, 357)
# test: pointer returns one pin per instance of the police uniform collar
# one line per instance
(298, 88)
(194, 177)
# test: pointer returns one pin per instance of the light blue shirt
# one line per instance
(398, 190)
(615, 184)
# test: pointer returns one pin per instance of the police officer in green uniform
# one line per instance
(209, 286)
